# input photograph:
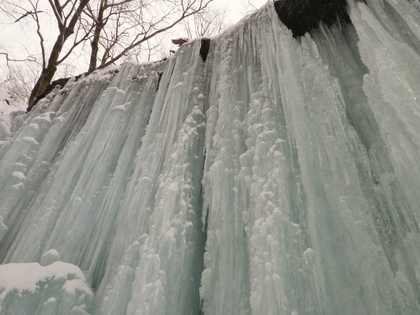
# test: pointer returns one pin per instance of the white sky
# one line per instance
(237, 9)
(15, 41)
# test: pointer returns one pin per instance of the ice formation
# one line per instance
(279, 177)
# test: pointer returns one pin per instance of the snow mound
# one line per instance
(59, 288)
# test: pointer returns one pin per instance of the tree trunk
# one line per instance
(95, 46)
(100, 24)
(43, 81)
(47, 74)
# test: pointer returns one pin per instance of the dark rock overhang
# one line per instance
(60, 83)
(302, 16)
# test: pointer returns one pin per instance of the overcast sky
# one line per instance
(238, 8)
(15, 41)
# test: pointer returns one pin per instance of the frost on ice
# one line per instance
(280, 176)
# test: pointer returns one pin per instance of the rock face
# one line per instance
(302, 16)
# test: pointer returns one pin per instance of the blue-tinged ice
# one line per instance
(279, 176)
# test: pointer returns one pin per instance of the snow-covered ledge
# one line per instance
(52, 287)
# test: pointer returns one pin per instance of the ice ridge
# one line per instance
(256, 173)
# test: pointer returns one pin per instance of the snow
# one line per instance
(15, 276)
(9, 103)
(279, 177)
(32, 284)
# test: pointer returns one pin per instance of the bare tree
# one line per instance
(208, 22)
(121, 26)
(68, 17)
(113, 28)
(17, 81)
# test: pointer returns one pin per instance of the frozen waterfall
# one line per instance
(280, 176)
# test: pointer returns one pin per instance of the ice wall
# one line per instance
(280, 176)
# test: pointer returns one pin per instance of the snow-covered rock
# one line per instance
(279, 176)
